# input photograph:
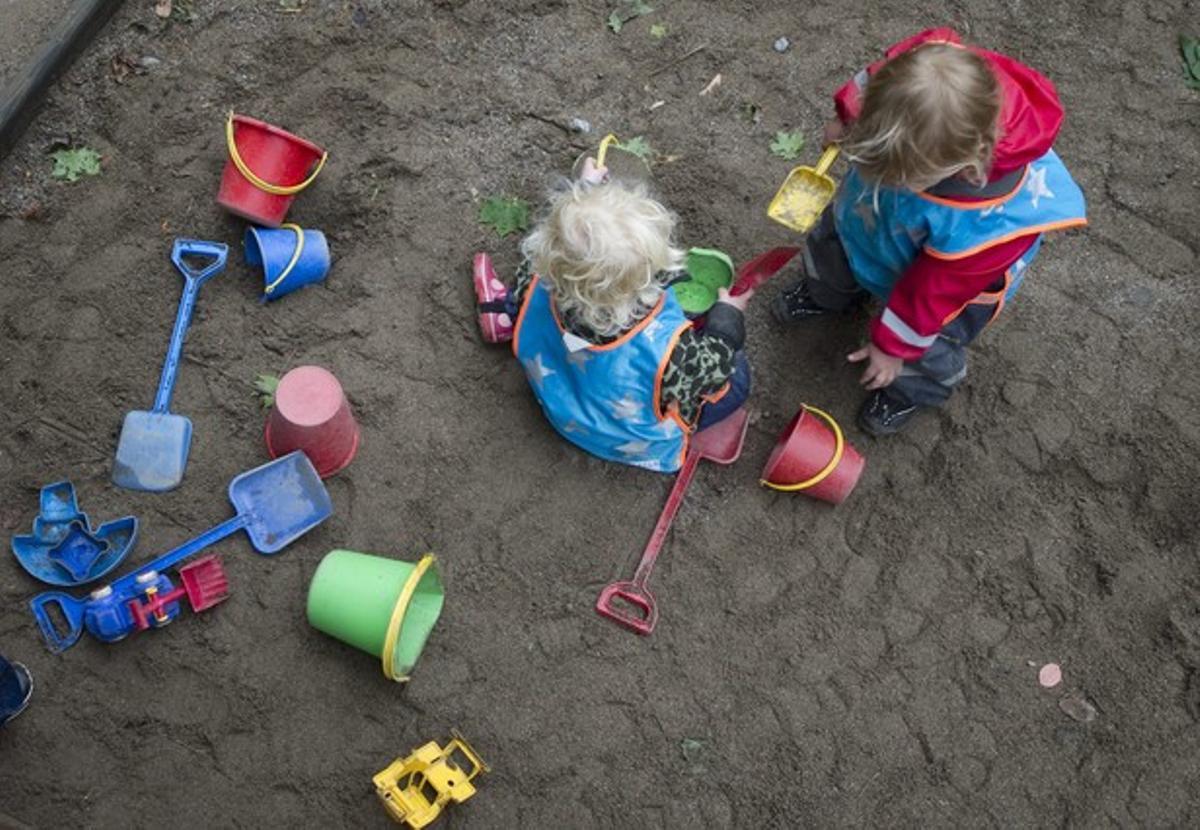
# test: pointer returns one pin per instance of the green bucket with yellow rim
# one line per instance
(382, 606)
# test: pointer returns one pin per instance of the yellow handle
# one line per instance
(393, 630)
(838, 448)
(604, 145)
(283, 275)
(827, 159)
(273, 189)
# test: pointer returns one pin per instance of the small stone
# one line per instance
(782, 45)
(1077, 707)
(1050, 675)
(580, 125)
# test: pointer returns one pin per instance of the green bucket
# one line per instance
(709, 270)
(382, 606)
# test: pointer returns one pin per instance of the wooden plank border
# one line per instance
(20, 99)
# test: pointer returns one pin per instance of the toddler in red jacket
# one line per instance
(952, 185)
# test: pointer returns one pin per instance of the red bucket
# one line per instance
(311, 413)
(813, 457)
(265, 170)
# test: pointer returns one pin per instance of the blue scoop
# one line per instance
(152, 452)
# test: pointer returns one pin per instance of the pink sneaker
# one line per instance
(494, 321)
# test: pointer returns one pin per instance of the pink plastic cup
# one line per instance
(311, 413)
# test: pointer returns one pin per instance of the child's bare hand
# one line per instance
(592, 173)
(834, 130)
(739, 302)
(882, 368)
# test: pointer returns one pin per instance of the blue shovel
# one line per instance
(153, 449)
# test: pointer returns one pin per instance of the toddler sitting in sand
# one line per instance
(618, 368)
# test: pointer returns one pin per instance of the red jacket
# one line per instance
(933, 291)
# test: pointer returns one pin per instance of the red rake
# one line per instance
(204, 585)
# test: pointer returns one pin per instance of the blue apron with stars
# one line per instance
(604, 398)
(882, 236)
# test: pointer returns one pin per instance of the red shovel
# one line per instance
(722, 443)
(760, 269)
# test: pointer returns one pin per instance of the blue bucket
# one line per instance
(15, 688)
(290, 257)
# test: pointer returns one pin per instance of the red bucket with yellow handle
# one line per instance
(813, 457)
(266, 168)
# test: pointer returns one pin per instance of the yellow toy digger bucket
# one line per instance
(805, 193)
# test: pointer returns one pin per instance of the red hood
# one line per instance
(1030, 117)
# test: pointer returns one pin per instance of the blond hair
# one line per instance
(927, 114)
(601, 249)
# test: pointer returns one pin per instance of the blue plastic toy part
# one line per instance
(57, 511)
(152, 451)
(276, 504)
(57, 503)
(64, 549)
(290, 257)
(16, 687)
(77, 552)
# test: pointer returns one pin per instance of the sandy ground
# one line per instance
(873, 664)
(24, 26)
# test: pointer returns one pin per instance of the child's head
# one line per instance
(927, 114)
(600, 248)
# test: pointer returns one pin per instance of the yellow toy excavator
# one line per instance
(414, 790)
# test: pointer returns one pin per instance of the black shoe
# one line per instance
(795, 305)
(881, 414)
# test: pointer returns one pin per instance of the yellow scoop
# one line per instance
(805, 193)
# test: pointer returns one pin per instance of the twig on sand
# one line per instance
(545, 120)
(694, 51)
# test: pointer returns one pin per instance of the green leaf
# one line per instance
(266, 386)
(640, 7)
(69, 165)
(615, 22)
(504, 214)
(787, 145)
(658, 31)
(1189, 47)
(638, 146)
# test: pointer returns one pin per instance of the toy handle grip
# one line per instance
(605, 142)
(193, 279)
(640, 617)
(827, 159)
(71, 610)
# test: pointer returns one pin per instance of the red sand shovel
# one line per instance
(760, 269)
(722, 443)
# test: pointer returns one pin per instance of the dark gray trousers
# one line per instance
(925, 382)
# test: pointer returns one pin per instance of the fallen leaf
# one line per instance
(787, 145)
(1189, 47)
(752, 112)
(504, 214)
(266, 385)
(69, 165)
(638, 146)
